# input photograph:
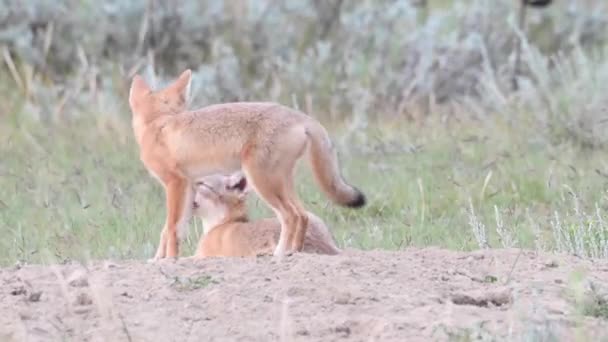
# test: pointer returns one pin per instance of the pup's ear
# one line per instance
(183, 84)
(139, 87)
(237, 182)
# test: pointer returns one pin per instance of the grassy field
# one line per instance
(78, 190)
(501, 168)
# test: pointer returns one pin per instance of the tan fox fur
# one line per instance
(262, 139)
(220, 201)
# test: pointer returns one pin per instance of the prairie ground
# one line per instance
(410, 295)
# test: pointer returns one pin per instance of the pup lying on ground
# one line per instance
(219, 201)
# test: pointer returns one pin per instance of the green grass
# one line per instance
(78, 190)
(192, 283)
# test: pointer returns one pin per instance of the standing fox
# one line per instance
(264, 140)
(220, 201)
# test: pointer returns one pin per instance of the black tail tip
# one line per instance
(358, 202)
(537, 3)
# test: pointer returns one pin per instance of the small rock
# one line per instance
(437, 299)
(78, 279)
(83, 299)
(295, 291)
(18, 291)
(341, 298)
(343, 329)
(82, 310)
(555, 311)
(552, 264)
(477, 255)
(109, 265)
(558, 281)
(302, 332)
(25, 315)
(34, 296)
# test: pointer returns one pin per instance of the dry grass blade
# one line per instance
(486, 181)
(144, 28)
(48, 41)
(12, 68)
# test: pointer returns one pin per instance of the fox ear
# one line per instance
(138, 87)
(182, 84)
(237, 182)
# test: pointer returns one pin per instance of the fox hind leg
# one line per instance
(271, 188)
(272, 179)
(301, 217)
(272, 191)
(161, 251)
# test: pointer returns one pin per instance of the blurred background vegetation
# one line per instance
(471, 123)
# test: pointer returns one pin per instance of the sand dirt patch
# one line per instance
(416, 294)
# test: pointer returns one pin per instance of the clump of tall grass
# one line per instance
(369, 62)
(579, 232)
(573, 231)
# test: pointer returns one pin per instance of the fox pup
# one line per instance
(220, 201)
(264, 140)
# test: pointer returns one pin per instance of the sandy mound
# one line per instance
(417, 294)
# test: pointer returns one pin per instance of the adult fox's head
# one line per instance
(148, 104)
